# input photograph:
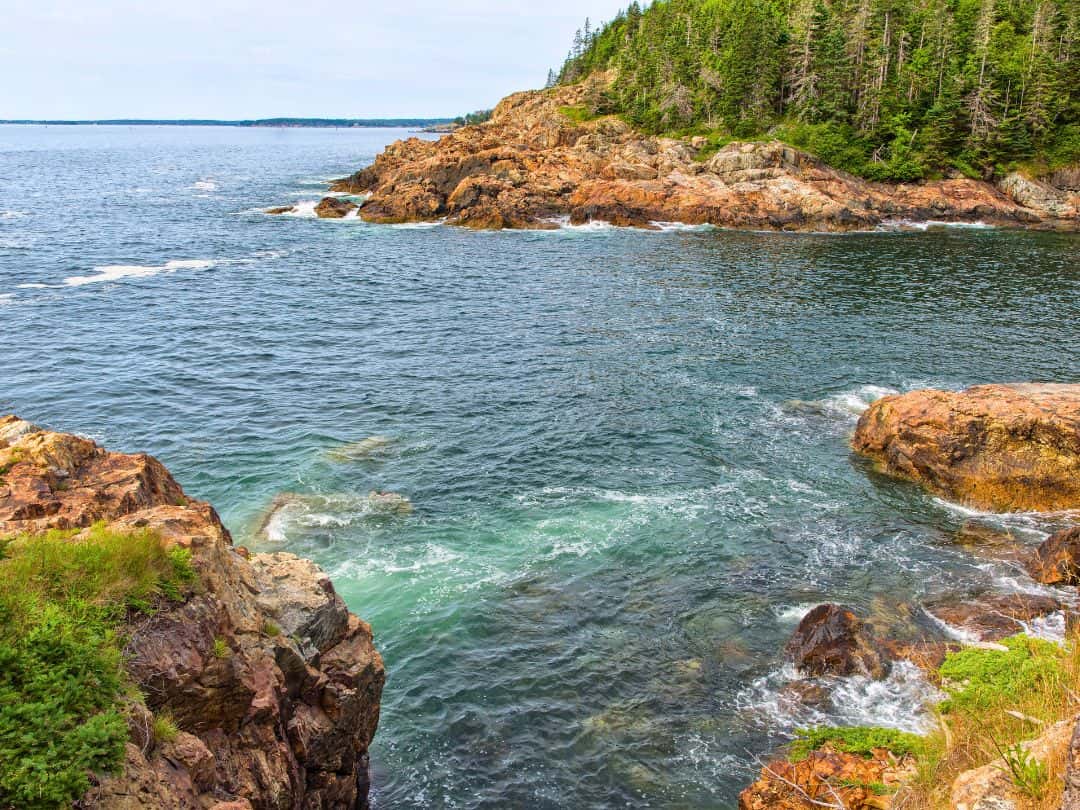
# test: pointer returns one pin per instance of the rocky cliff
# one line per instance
(536, 161)
(273, 685)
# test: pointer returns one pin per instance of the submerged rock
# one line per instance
(281, 209)
(1057, 560)
(390, 502)
(361, 450)
(832, 640)
(275, 687)
(995, 447)
(295, 508)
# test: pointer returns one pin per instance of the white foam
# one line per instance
(903, 701)
(32, 286)
(1031, 521)
(417, 226)
(683, 226)
(925, 225)
(858, 400)
(847, 404)
(205, 185)
(1048, 628)
(304, 209)
(115, 272)
(792, 614)
(953, 632)
(12, 214)
(6, 298)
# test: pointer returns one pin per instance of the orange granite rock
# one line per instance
(994, 447)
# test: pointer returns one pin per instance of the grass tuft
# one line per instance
(165, 729)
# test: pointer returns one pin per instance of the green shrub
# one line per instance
(221, 648)
(979, 679)
(855, 740)
(62, 604)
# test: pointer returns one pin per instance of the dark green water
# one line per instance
(626, 451)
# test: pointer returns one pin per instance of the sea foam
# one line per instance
(901, 701)
(115, 272)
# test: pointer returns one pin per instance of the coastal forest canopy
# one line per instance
(895, 90)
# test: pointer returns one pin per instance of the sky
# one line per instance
(235, 59)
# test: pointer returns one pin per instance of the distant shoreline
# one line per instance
(308, 123)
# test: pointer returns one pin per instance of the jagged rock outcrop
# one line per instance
(828, 778)
(996, 447)
(274, 685)
(1057, 560)
(1040, 196)
(832, 640)
(533, 162)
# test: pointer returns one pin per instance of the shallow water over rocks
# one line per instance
(626, 451)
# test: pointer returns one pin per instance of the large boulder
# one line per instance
(995, 447)
(1057, 560)
(832, 640)
(274, 685)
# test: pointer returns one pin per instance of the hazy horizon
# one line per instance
(231, 60)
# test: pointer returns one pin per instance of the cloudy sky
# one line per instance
(261, 58)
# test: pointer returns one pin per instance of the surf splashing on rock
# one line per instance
(781, 700)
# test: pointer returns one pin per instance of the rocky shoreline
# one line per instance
(993, 447)
(540, 160)
(273, 686)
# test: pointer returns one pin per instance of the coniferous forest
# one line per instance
(889, 89)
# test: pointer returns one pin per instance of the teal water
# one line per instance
(626, 450)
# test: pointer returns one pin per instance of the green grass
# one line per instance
(63, 603)
(221, 648)
(579, 115)
(856, 740)
(271, 629)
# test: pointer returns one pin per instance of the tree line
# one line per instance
(889, 89)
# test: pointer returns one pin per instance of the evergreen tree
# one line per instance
(893, 89)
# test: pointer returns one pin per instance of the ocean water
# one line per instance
(626, 451)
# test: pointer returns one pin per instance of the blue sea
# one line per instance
(626, 451)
